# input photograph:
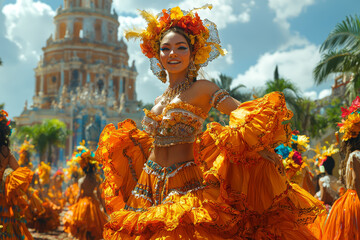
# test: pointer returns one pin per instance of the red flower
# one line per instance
(297, 158)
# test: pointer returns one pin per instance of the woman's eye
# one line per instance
(182, 48)
(164, 49)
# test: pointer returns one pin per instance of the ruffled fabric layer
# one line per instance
(48, 219)
(344, 218)
(123, 152)
(85, 220)
(242, 196)
(13, 202)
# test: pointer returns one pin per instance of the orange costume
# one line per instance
(13, 203)
(344, 218)
(45, 217)
(85, 219)
(227, 192)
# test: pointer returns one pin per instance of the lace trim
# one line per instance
(186, 106)
(174, 192)
(149, 125)
(152, 168)
(127, 207)
(166, 141)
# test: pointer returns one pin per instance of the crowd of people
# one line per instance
(251, 179)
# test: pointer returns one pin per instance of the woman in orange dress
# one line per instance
(14, 181)
(48, 219)
(85, 220)
(343, 221)
(173, 181)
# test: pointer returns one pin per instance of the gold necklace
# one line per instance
(171, 92)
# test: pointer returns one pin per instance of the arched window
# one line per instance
(74, 80)
(100, 85)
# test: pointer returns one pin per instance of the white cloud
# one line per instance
(28, 24)
(294, 64)
(285, 9)
(312, 95)
(324, 93)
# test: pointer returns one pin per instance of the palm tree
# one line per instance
(51, 133)
(341, 54)
(225, 82)
(290, 90)
(0, 62)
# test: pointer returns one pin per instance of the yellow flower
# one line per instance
(176, 13)
(202, 55)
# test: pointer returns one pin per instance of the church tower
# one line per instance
(84, 49)
(83, 77)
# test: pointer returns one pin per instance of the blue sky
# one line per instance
(259, 34)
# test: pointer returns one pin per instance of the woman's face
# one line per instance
(174, 53)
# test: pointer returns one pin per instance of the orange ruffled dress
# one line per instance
(13, 202)
(85, 217)
(227, 192)
(344, 218)
(343, 221)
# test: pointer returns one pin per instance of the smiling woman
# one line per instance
(172, 180)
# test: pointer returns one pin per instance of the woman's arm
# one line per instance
(356, 172)
(11, 158)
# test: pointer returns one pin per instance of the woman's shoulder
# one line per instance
(206, 86)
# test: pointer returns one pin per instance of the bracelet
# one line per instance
(219, 96)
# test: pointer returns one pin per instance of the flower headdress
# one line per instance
(301, 141)
(4, 116)
(59, 173)
(202, 33)
(24, 153)
(84, 157)
(350, 124)
(44, 173)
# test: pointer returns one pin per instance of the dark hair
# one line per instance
(89, 169)
(329, 164)
(5, 132)
(346, 148)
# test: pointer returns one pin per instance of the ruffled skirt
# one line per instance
(343, 221)
(85, 220)
(13, 202)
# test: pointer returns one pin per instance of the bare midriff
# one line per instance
(167, 156)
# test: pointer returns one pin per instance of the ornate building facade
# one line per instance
(83, 77)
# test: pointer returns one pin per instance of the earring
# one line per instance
(192, 71)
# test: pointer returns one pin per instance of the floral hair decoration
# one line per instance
(3, 116)
(350, 124)
(84, 157)
(24, 154)
(202, 33)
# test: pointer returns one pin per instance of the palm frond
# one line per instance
(332, 62)
(346, 35)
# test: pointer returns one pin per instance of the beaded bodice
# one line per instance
(178, 123)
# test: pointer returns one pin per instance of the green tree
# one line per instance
(341, 54)
(290, 90)
(225, 82)
(2, 105)
(45, 137)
